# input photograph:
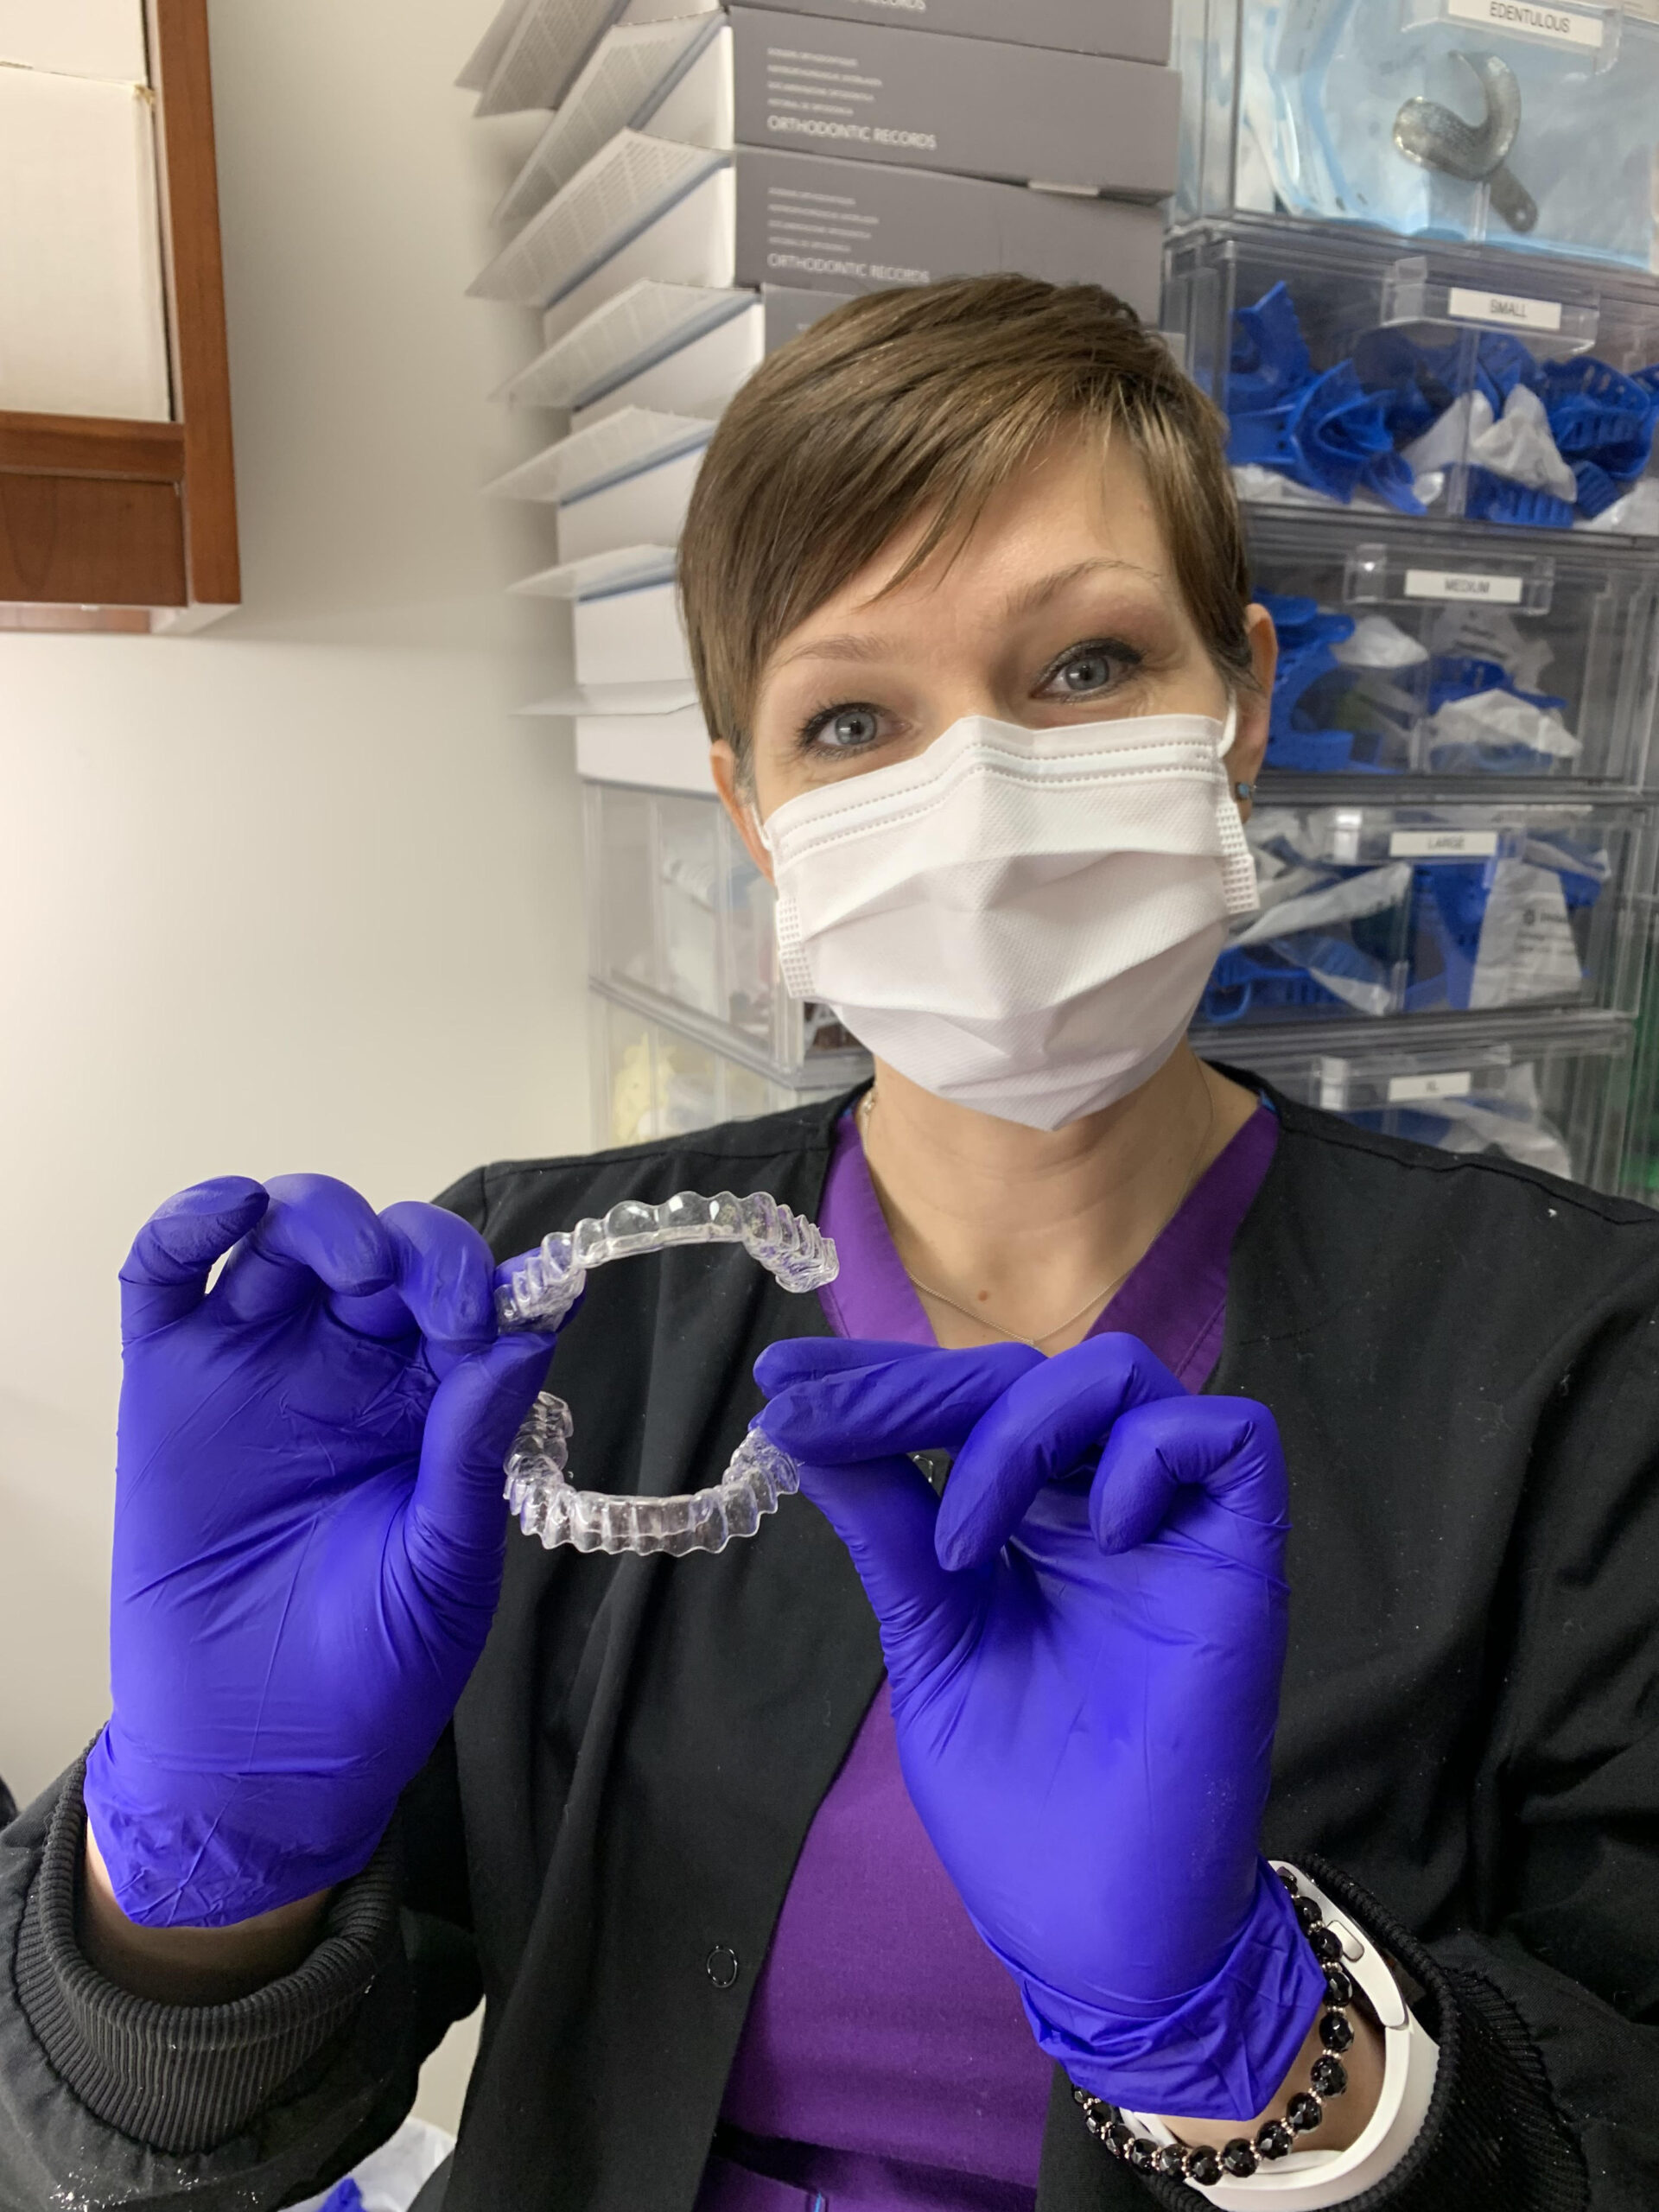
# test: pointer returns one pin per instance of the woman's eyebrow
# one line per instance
(864, 645)
(1028, 597)
(855, 645)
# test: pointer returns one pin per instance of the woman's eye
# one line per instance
(1089, 670)
(845, 729)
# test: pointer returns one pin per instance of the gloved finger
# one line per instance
(455, 1528)
(1044, 1426)
(806, 1360)
(1228, 1447)
(883, 1512)
(164, 1276)
(899, 1398)
(315, 1231)
(442, 1288)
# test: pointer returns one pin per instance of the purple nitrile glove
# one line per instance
(309, 1535)
(1084, 1641)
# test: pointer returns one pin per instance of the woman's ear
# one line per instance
(736, 796)
(1249, 745)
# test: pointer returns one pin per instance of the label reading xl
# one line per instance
(1462, 583)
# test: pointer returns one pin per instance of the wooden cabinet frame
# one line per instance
(131, 526)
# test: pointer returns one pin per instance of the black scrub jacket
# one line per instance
(1462, 1357)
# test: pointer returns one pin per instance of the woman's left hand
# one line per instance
(1084, 1641)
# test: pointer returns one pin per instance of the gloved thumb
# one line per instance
(884, 1511)
(456, 1526)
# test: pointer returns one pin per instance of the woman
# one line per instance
(790, 1875)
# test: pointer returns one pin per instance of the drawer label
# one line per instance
(1462, 583)
(1561, 26)
(1442, 844)
(1509, 307)
(1403, 1089)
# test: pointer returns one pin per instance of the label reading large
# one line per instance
(1507, 308)
(1561, 26)
(1442, 844)
(1404, 1088)
(1462, 583)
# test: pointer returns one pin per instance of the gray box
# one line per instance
(974, 107)
(819, 225)
(1134, 30)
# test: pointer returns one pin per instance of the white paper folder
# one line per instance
(691, 242)
(626, 69)
(663, 753)
(631, 637)
(646, 508)
(605, 451)
(533, 53)
(621, 338)
(700, 377)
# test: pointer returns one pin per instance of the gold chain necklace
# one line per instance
(1036, 1343)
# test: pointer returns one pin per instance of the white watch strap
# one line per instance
(1307, 2180)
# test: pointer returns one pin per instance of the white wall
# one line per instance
(298, 893)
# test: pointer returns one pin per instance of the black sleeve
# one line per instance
(108, 2100)
(1494, 2139)
(1542, 1988)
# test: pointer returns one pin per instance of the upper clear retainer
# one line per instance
(537, 1290)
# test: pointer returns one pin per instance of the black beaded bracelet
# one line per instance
(1275, 2139)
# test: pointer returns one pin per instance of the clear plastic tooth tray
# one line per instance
(538, 1291)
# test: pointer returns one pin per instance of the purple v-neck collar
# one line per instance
(1174, 1298)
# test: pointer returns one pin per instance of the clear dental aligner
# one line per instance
(540, 1290)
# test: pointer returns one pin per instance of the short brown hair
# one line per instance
(931, 398)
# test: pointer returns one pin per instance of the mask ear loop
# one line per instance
(1238, 862)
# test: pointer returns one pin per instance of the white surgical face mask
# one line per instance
(1020, 920)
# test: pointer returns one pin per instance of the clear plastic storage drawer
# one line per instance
(680, 922)
(653, 1080)
(1402, 655)
(1547, 1092)
(1431, 379)
(1386, 911)
(1530, 127)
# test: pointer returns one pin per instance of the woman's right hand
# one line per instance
(308, 1540)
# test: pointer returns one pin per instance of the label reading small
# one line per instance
(1561, 26)
(1462, 583)
(1403, 1089)
(1442, 844)
(1510, 308)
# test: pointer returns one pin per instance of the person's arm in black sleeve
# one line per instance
(123, 2101)
(1544, 1997)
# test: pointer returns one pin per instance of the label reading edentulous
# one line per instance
(1462, 583)
(1561, 26)
(1442, 844)
(1403, 1089)
(1506, 307)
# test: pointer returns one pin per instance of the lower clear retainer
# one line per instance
(539, 1289)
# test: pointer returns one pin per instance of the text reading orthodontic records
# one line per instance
(538, 1290)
